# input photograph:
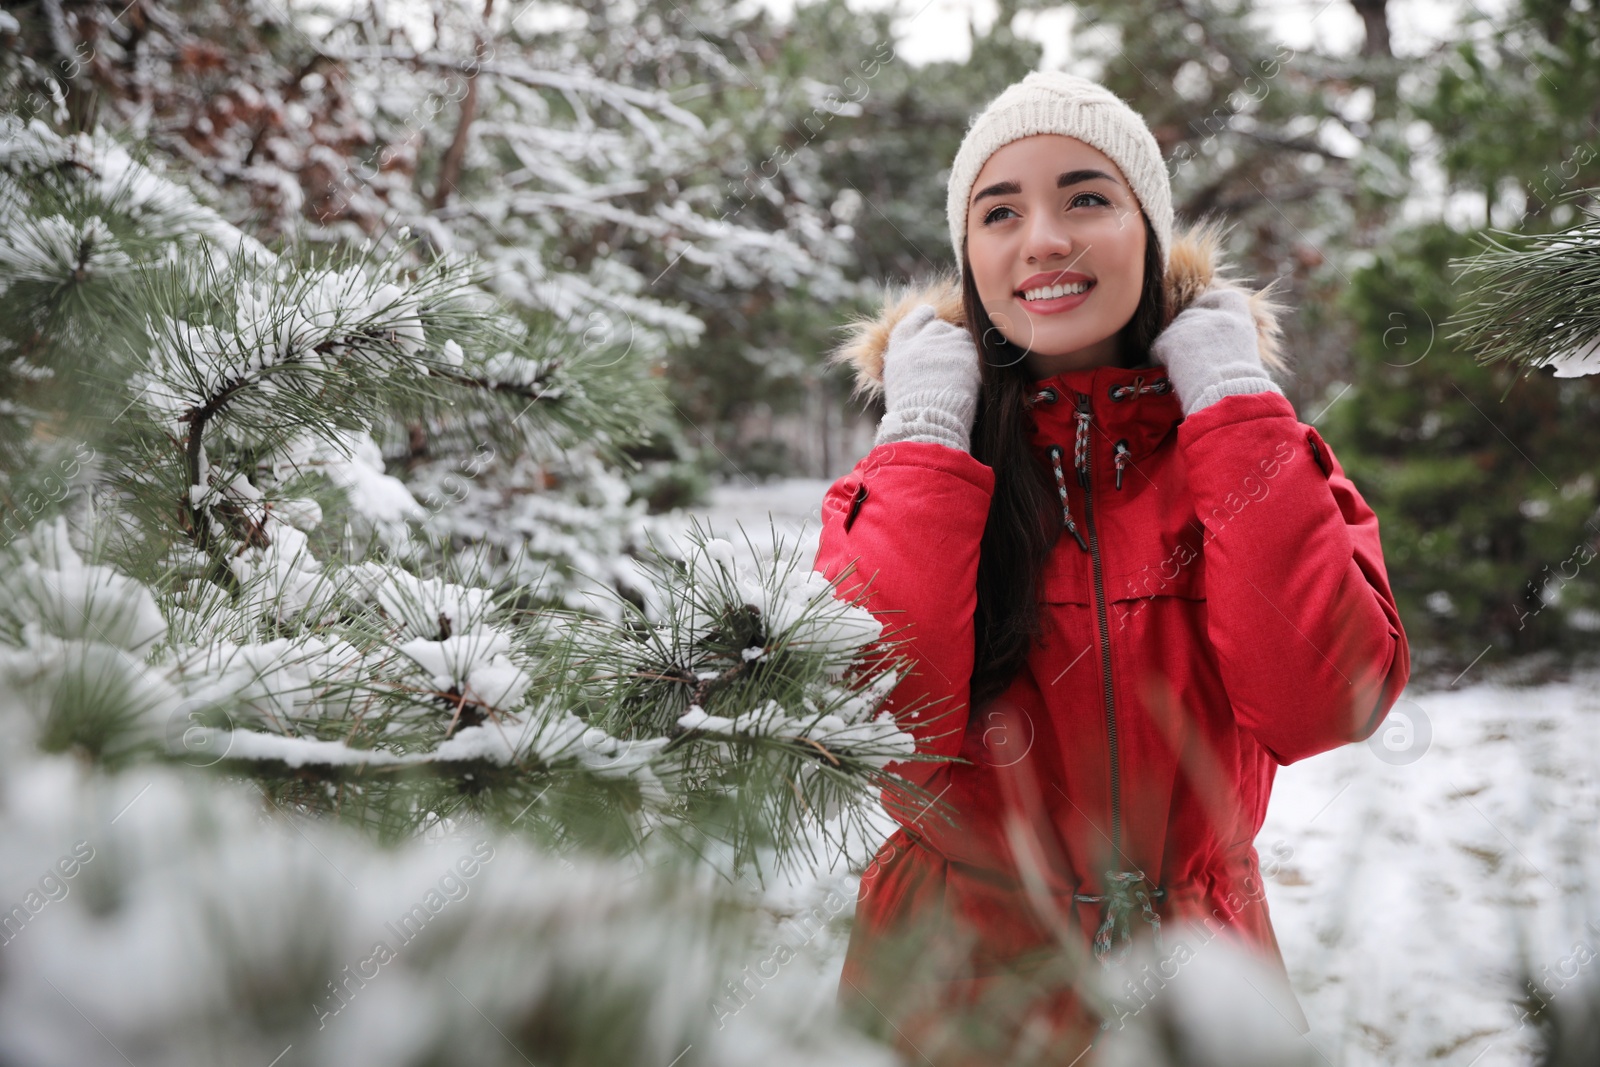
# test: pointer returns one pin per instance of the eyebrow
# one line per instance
(1064, 179)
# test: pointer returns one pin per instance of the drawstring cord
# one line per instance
(1140, 386)
(1122, 457)
(1061, 488)
(1080, 444)
(1124, 891)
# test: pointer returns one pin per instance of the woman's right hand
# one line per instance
(931, 377)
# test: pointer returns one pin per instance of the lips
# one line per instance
(1055, 285)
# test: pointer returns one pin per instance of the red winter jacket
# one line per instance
(1226, 611)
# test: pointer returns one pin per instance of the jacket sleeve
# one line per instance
(910, 516)
(1299, 610)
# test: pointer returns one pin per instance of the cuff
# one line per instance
(1230, 387)
(932, 425)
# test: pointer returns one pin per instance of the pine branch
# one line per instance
(1533, 300)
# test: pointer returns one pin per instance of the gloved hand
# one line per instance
(931, 375)
(1210, 350)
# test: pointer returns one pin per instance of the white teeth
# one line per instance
(1056, 291)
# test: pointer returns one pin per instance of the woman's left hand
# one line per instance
(1210, 350)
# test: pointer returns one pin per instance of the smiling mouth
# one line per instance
(1055, 292)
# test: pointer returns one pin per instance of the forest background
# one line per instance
(272, 459)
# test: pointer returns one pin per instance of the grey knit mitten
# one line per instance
(1210, 350)
(931, 377)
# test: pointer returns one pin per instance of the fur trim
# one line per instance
(1194, 265)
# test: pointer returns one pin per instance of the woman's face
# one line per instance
(1027, 235)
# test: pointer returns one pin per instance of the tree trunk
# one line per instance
(450, 165)
(1375, 17)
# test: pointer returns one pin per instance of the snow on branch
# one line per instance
(628, 101)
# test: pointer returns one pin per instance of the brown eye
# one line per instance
(1094, 199)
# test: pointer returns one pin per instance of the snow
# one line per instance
(798, 606)
(293, 751)
(697, 719)
(788, 507)
(1582, 360)
(1402, 874)
(473, 664)
(424, 604)
(283, 579)
(354, 462)
(161, 205)
(74, 600)
(1210, 992)
(1409, 875)
(46, 249)
(186, 905)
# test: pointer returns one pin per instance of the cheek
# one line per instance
(989, 279)
(1131, 289)
(1129, 276)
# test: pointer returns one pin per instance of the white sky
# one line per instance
(939, 29)
(931, 30)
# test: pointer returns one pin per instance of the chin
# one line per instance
(1058, 347)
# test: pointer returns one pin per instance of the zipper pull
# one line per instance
(1122, 459)
(1080, 447)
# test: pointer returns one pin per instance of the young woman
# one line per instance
(1130, 581)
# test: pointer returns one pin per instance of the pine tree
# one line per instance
(1479, 474)
(213, 584)
(1533, 300)
(1479, 466)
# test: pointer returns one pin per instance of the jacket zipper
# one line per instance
(1105, 632)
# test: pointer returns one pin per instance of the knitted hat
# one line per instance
(1051, 101)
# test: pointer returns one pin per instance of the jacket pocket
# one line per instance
(1180, 573)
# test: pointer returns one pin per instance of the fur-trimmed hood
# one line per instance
(1194, 265)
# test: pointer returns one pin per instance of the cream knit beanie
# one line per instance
(1050, 101)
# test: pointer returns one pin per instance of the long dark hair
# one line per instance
(1025, 512)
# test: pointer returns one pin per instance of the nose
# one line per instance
(1049, 237)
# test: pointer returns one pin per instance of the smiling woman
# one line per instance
(1059, 264)
(1053, 521)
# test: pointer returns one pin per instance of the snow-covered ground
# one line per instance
(1408, 875)
(1412, 874)
(789, 508)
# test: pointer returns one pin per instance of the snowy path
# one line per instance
(1404, 872)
